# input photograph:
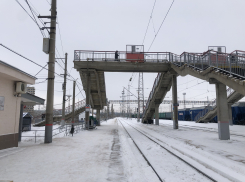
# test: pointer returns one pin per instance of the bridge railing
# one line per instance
(233, 63)
(152, 92)
(68, 109)
(81, 55)
(78, 105)
(210, 107)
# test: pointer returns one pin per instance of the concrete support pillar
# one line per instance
(175, 102)
(87, 100)
(230, 114)
(98, 117)
(157, 115)
(222, 111)
(21, 121)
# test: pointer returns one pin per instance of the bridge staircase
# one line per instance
(79, 108)
(209, 112)
(228, 69)
(161, 86)
(225, 68)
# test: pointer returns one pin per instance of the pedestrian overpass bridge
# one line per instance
(216, 67)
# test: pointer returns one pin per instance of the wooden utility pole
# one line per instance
(51, 66)
(64, 93)
(73, 103)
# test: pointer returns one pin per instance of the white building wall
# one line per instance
(9, 117)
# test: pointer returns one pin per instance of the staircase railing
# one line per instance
(78, 105)
(233, 63)
(68, 109)
(152, 92)
(211, 107)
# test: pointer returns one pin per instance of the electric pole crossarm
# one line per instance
(51, 17)
(47, 28)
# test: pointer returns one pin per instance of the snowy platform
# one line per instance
(109, 154)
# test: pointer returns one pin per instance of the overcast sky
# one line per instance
(109, 25)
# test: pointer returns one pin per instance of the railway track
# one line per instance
(168, 151)
(200, 128)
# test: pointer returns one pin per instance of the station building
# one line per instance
(13, 96)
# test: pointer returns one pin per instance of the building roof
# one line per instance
(10, 66)
(30, 99)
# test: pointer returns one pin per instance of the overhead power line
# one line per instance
(41, 81)
(187, 82)
(192, 86)
(161, 25)
(149, 22)
(80, 91)
(60, 37)
(35, 18)
(29, 60)
(35, 11)
(30, 16)
(41, 69)
(41, 21)
(48, 2)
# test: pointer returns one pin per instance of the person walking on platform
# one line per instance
(116, 56)
(72, 130)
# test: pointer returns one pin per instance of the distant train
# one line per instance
(238, 114)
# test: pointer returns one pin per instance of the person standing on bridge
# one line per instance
(116, 56)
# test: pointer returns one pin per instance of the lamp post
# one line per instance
(184, 99)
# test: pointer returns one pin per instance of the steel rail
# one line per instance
(141, 152)
(209, 177)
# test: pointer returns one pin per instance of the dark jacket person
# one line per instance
(116, 56)
(72, 130)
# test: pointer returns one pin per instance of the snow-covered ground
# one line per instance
(109, 154)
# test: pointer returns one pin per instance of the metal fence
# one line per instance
(62, 129)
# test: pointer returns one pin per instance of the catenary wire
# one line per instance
(161, 25)
(148, 23)
(60, 37)
(192, 86)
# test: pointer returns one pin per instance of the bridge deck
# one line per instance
(119, 66)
